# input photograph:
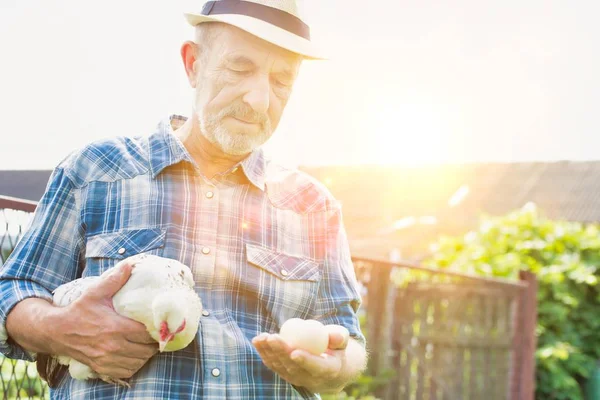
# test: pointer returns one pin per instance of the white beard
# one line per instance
(234, 143)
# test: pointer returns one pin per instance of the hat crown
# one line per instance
(279, 22)
(289, 6)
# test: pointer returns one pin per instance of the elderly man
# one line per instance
(265, 243)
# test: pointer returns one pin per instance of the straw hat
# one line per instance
(275, 21)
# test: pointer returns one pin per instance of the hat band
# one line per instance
(274, 16)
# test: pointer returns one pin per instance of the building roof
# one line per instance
(29, 185)
(375, 197)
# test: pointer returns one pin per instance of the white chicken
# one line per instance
(159, 294)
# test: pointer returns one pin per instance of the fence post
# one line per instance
(377, 317)
(524, 341)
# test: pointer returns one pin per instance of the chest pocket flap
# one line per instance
(124, 243)
(283, 266)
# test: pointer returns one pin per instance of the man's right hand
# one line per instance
(90, 331)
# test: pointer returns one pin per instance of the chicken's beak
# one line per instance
(161, 345)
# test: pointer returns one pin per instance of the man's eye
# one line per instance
(281, 84)
(241, 72)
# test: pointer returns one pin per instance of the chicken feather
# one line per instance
(159, 289)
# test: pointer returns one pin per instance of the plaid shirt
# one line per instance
(265, 244)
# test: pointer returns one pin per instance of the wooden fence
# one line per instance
(446, 335)
(437, 334)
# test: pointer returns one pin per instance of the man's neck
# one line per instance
(210, 159)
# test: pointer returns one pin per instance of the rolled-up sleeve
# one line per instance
(339, 299)
(47, 255)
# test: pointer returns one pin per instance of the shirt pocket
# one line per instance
(285, 285)
(104, 250)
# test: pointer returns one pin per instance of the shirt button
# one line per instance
(209, 195)
(215, 372)
(205, 313)
(284, 272)
(121, 250)
(205, 250)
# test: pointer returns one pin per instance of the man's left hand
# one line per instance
(301, 368)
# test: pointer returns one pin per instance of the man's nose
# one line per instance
(258, 94)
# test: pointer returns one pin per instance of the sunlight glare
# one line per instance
(409, 133)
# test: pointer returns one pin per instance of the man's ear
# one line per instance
(189, 56)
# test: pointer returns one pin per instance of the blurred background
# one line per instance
(459, 136)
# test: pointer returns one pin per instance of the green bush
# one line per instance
(565, 256)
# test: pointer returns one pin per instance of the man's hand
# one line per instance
(323, 373)
(90, 331)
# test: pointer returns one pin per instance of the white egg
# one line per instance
(309, 335)
(340, 330)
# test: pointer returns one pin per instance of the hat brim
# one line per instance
(265, 31)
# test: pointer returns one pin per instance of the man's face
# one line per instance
(243, 85)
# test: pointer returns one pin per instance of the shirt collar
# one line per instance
(166, 150)
(254, 167)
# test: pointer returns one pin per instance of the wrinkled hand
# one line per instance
(301, 368)
(93, 333)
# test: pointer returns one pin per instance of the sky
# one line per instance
(407, 82)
